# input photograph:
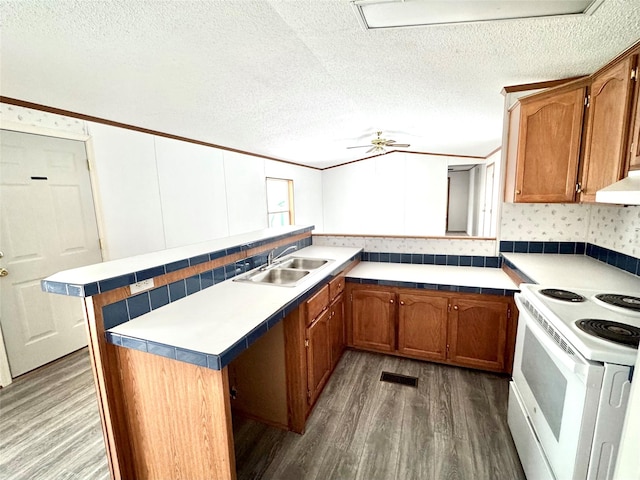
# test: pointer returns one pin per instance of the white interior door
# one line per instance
(48, 225)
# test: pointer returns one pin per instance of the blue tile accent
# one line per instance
(232, 352)
(448, 288)
(395, 258)
(465, 260)
(161, 349)
(374, 257)
(213, 361)
(231, 270)
(218, 275)
(91, 289)
(429, 259)
(206, 279)
(149, 273)
(188, 356)
(115, 314)
(199, 259)
(492, 291)
(177, 290)
(580, 248)
(492, 262)
(536, 247)
(256, 333)
(631, 265)
(384, 257)
(405, 258)
(75, 290)
(113, 338)
(275, 319)
(175, 266)
(159, 297)
(116, 282)
(567, 248)
(551, 247)
(477, 261)
(417, 258)
(138, 305)
(453, 260)
(521, 247)
(506, 246)
(441, 259)
(463, 289)
(193, 284)
(232, 250)
(134, 343)
(218, 254)
(427, 286)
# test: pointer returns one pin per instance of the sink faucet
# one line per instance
(271, 258)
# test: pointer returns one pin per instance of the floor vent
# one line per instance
(397, 378)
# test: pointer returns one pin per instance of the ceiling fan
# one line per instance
(380, 143)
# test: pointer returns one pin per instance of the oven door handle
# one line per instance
(575, 363)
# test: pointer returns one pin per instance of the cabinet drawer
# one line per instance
(317, 303)
(336, 287)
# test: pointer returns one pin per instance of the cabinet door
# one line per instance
(634, 138)
(373, 314)
(478, 333)
(422, 326)
(318, 356)
(336, 329)
(607, 128)
(549, 147)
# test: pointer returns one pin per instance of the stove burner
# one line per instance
(613, 331)
(622, 301)
(565, 295)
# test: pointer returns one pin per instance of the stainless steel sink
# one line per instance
(303, 263)
(276, 276)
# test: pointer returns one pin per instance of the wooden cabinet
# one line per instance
(336, 329)
(373, 320)
(422, 326)
(633, 155)
(318, 356)
(607, 127)
(544, 146)
(566, 143)
(460, 329)
(478, 333)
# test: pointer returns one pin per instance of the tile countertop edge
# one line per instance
(121, 335)
(74, 282)
(573, 271)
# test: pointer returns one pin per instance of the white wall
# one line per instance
(458, 201)
(395, 194)
(154, 193)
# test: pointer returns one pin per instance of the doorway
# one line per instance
(48, 225)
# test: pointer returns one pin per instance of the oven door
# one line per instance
(559, 390)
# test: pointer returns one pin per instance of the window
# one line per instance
(279, 202)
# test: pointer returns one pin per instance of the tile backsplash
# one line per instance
(613, 227)
(442, 246)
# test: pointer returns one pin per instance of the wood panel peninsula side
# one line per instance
(161, 357)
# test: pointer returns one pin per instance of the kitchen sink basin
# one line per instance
(276, 276)
(303, 263)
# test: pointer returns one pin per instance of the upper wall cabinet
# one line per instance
(633, 157)
(567, 142)
(544, 146)
(609, 106)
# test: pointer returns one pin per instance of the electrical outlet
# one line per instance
(141, 286)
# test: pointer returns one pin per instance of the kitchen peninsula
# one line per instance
(170, 332)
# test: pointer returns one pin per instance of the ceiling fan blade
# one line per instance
(388, 142)
(372, 149)
(400, 145)
(360, 146)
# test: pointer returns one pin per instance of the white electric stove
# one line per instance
(572, 373)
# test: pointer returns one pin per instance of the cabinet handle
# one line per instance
(401, 303)
(518, 192)
(455, 307)
(391, 301)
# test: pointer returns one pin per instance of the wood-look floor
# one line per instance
(50, 425)
(452, 426)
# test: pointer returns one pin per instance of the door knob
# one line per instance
(4, 272)
(455, 307)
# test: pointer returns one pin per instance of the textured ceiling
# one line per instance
(297, 80)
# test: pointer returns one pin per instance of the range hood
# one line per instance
(625, 192)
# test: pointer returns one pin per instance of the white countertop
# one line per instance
(577, 271)
(214, 319)
(435, 274)
(114, 268)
